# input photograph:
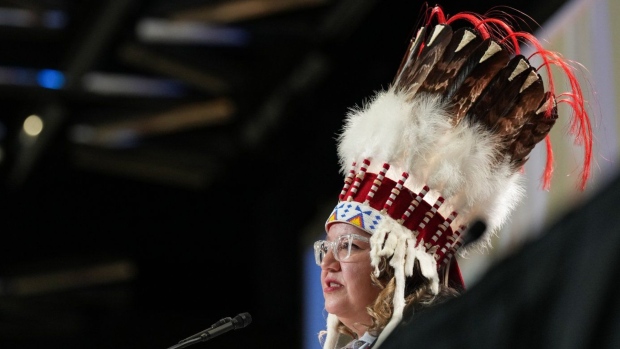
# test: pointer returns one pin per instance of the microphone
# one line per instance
(222, 326)
(474, 233)
(217, 324)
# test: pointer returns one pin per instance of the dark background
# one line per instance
(139, 244)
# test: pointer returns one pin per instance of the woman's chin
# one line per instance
(334, 306)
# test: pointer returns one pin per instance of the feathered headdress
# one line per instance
(445, 144)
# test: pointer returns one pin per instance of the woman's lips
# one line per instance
(331, 286)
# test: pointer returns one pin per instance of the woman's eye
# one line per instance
(355, 246)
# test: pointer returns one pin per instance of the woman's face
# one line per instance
(347, 287)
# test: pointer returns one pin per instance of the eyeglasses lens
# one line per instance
(343, 247)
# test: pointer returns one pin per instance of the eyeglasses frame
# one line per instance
(333, 247)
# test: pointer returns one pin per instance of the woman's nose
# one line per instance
(329, 262)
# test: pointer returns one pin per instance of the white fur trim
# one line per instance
(410, 257)
(428, 267)
(400, 244)
(398, 263)
(416, 135)
(332, 332)
(376, 243)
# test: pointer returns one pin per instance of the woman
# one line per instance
(347, 294)
(443, 147)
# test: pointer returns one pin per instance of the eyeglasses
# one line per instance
(342, 248)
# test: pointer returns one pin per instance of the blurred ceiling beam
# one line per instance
(131, 85)
(240, 10)
(129, 131)
(158, 165)
(144, 58)
(157, 30)
(111, 147)
(86, 52)
(68, 279)
(308, 74)
(30, 295)
(35, 17)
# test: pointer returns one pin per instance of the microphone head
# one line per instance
(241, 320)
(474, 232)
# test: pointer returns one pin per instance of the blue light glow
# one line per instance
(50, 78)
(314, 317)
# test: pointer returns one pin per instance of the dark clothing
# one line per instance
(557, 292)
